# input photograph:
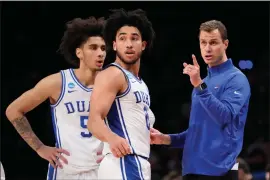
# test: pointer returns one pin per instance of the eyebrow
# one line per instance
(95, 45)
(123, 33)
(92, 45)
(210, 39)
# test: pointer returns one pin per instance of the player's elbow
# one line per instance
(12, 112)
(8, 112)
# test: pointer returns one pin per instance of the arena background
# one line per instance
(30, 36)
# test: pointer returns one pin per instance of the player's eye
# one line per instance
(122, 38)
(103, 48)
(93, 47)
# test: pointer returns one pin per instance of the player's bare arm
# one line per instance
(108, 84)
(49, 87)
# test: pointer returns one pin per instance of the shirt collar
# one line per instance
(220, 68)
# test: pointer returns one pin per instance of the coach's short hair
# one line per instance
(77, 33)
(136, 18)
(211, 25)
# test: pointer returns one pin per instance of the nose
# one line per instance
(128, 43)
(101, 53)
(208, 48)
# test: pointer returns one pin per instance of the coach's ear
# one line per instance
(114, 46)
(79, 53)
(226, 44)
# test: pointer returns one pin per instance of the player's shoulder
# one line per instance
(111, 72)
(52, 81)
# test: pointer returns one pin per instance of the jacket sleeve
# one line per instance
(178, 140)
(236, 94)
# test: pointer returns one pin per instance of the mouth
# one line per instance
(208, 57)
(130, 52)
(99, 63)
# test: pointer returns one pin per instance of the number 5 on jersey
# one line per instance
(83, 121)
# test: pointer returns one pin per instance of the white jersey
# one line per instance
(70, 115)
(130, 116)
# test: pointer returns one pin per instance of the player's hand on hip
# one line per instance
(156, 137)
(53, 154)
(193, 70)
(119, 146)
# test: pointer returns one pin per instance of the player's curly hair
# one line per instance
(136, 18)
(77, 32)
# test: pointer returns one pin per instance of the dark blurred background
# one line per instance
(30, 36)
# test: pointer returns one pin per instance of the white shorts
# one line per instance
(59, 174)
(129, 167)
(2, 172)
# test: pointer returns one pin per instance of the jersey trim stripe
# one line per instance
(122, 121)
(130, 168)
(51, 173)
(78, 82)
(123, 169)
(126, 91)
(55, 127)
(139, 166)
(116, 122)
(63, 88)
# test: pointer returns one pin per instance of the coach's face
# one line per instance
(92, 53)
(128, 44)
(213, 47)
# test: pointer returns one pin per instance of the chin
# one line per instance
(130, 61)
(211, 62)
(208, 62)
(98, 68)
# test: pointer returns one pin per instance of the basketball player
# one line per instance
(123, 98)
(69, 93)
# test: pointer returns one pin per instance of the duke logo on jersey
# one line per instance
(77, 107)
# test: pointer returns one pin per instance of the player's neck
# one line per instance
(85, 76)
(133, 68)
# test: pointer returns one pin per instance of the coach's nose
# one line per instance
(208, 48)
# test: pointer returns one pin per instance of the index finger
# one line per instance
(195, 62)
